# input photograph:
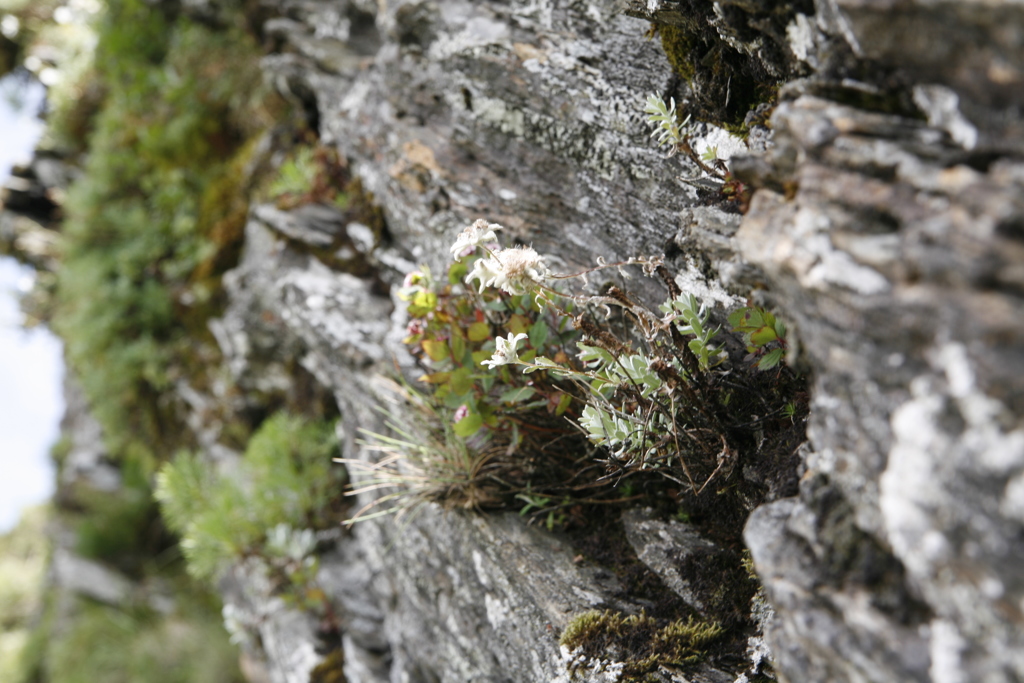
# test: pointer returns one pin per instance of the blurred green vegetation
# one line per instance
(311, 173)
(286, 477)
(60, 638)
(121, 528)
(168, 114)
(23, 553)
(80, 641)
(157, 215)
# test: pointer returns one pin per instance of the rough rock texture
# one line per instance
(887, 226)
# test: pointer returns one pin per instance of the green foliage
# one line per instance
(676, 136)
(537, 505)
(311, 173)
(122, 528)
(113, 645)
(653, 394)
(664, 118)
(296, 175)
(692, 319)
(23, 553)
(458, 446)
(763, 333)
(455, 331)
(181, 99)
(641, 643)
(286, 477)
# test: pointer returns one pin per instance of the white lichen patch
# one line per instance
(497, 610)
(722, 141)
(947, 431)
(482, 572)
(818, 264)
(589, 597)
(691, 280)
(498, 114)
(477, 33)
(947, 648)
(942, 107)
(575, 667)
(800, 33)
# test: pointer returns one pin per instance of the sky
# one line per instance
(31, 364)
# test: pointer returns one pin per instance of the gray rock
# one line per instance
(313, 224)
(91, 579)
(663, 546)
(886, 228)
(87, 460)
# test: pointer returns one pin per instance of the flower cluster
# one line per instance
(515, 271)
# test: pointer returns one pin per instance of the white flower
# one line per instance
(486, 270)
(514, 270)
(481, 232)
(506, 352)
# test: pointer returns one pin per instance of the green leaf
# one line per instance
(453, 400)
(456, 272)
(436, 378)
(425, 299)
(469, 425)
(458, 345)
(462, 381)
(517, 395)
(563, 404)
(748, 319)
(480, 356)
(497, 305)
(762, 336)
(771, 359)
(517, 324)
(478, 331)
(435, 350)
(538, 334)
(594, 353)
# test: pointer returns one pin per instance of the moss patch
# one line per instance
(330, 670)
(640, 642)
(723, 84)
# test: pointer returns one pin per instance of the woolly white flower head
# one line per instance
(514, 270)
(506, 351)
(478, 234)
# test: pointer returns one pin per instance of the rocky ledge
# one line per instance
(881, 141)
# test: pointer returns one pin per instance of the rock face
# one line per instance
(887, 225)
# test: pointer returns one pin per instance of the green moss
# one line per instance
(678, 44)
(122, 529)
(722, 85)
(158, 201)
(331, 670)
(640, 642)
